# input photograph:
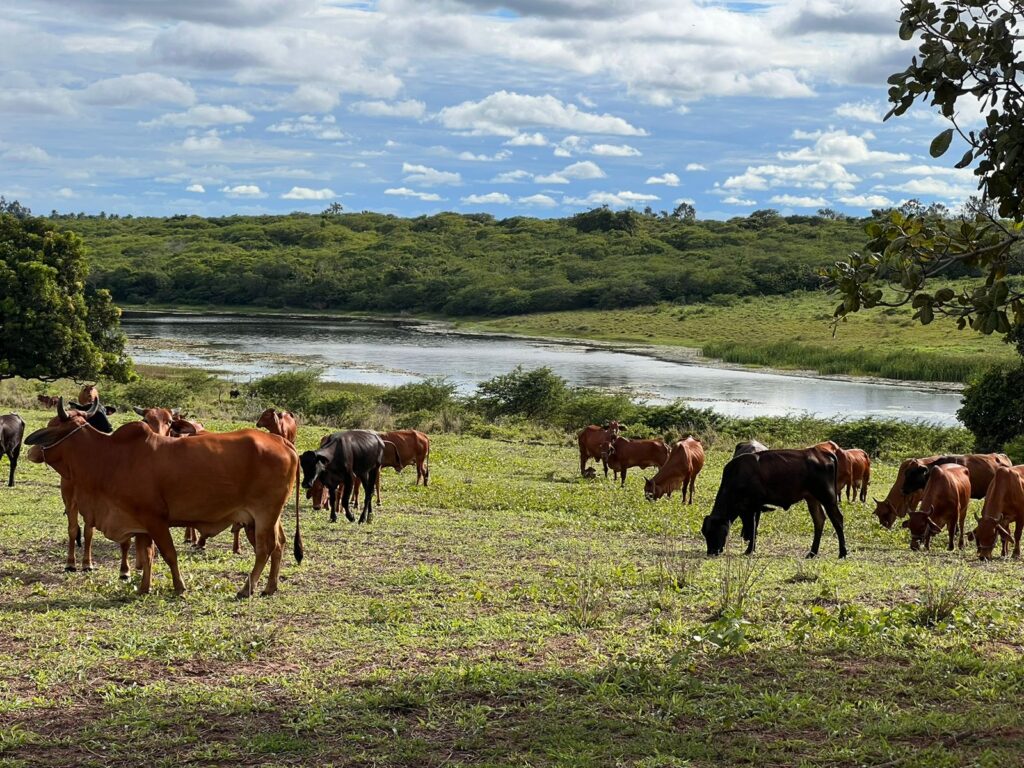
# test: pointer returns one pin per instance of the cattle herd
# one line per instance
(172, 472)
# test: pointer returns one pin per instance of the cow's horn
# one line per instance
(139, 411)
(93, 408)
(60, 409)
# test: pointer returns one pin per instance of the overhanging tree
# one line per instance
(969, 58)
(51, 324)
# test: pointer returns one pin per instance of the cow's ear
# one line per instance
(906, 523)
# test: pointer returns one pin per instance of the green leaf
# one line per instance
(966, 159)
(941, 143)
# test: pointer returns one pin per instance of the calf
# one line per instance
(680, 471)
(858, 477)
(947, 493)
(12, 430)
(755, 482)
(279, 423)
(1004, 504)
(622, 453)
(591, 444)
(342, 456)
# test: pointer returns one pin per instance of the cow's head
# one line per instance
(715, 532)
(270, 420)
(915, 479)
(88, 394)
(66, 422)
(922, 528)
(185, 428)
(607, 449)
(157, 419)
(984, 536)
(886, 513)
(319, 495)
(313, 463)
(650, 489)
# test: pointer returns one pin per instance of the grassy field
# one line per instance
(511, 614)
(783, 332)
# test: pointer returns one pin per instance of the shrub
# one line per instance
(1015, 450)
(538, 394)
(993, 407)
(293, 390)
(429, 395)
(156, 393)
(336, 407)
(680, 417)
(584, 406)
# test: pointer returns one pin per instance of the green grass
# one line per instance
(784, 332)
(510, 614)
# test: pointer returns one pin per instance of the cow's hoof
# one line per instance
(70, 569)
(267, 592)
(243, 594)
(812, 555)
(123, 576)
(237, 550)
(89, 567)
(350, 518)
(842, 555)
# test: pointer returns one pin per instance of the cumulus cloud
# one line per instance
(542, 201)
(28, 153)
(198, 188)
(584, 169)
(309, 125)
(842, 147)
(311, 98)
(136, 90)
(206, 142)
(505, 113)
(733, 200)
(305, 193)
(226, 12)
(933, 187)
(695, 167)
(409, 108)
(527, 140)
(612, 199)
(429, 197)
(796, 201)
(668, 179)
(490, 198)
(481, 158)
(866, 201)
(814, 175)
(861, 111)
(615, 150)
(512, 177)
(203, 116)
(244, 190)
(429, 177)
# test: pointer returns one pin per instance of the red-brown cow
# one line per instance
(980, 466)
(947, 493)
(88, 394)
(245, 477)
(896, 504)
(622, 453)
(1004, 504)
(279, 423)
(680, 471)
(858, 477)
(48, 401)
(404, 448)
(592, 441)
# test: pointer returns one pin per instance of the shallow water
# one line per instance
(392, 353)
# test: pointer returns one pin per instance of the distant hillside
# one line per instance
(456, 264)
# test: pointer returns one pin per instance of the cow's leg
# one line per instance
(87, 549)
(368, 481)
(125, 571)
(355, 491)
(623, 473)
(693, 484)
(749, 528)
(332, 502)
(236, 545)
(835, 516)
(13, 456)
(144, 552)
(376, 484)
(263, 543)
(165, 543)
(818, 518)
(1016, 538)
(583, 464)
(346, 495)
(604, 464)
(275, 561)
(960, 522)
(72, 514)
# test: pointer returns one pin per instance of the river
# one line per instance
(392, 353)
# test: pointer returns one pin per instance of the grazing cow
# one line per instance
(48, 401)
(755, 482)
(980, 466)
(404, 448)
(234, 394)
(896, 504)
(622, 453)
(150, 483)
(680, 471)
(279, 423)
(947, 494)
(751, 446)
(592, 441)
(858, 474)
(1004, 504)
(344, 456)
(88, 394)
(12, 430)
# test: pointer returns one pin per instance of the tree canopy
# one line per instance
(52, 325)
(969, 66)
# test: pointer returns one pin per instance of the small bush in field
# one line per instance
(294, 390)
(428, 395)
(155, 393)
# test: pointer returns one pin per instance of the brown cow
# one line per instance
(48, 401)
(947, 493)
(404, 448)
(1004, 504)
(88, 394)
(897, 504)
(684, 464)
(279, 423)
(592, 441)
(856, 482)
(245, 477)
(622, 453)
(981, 467)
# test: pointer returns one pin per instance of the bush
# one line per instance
(293, 390)
(429, 395)
(334, 408)
(590, 406)
(1015, 450)
(156, 393)
(899, 439)
(680, 417)
(538, 394)
(993, 408)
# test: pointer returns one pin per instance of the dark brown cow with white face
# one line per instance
(622, 453)
(947, 493)
(1004, 504)
(592, 441)
(678, 473)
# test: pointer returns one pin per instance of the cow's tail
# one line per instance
(297, 544)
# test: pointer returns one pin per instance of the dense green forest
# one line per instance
(456, 264)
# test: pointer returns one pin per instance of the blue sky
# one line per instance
(537, 107)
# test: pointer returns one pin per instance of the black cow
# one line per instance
(751, 446)
(755, 482)
(358, 453)
(12, 430)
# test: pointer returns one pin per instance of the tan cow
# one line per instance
(680, 471)
(592, 441)
(622, 453)
(1004, 504)
(947, 493)
(279, 423)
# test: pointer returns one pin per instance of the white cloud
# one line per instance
(208, 141)
(543, 201)
(695, 167)
(410, 108)
(733, 200)
(615, 150)
(867, 201)
(305, 193)
(198, 188)
(505, 113)
(932, 187)
(861, 111)
(311, 98)
(491, 198)
(842, 147)
(511, 177)
(203, 116)
(66, 192)
(795, 201)
(585, 169)
(668, 179)
(309, 125)
(428, 197)
(496, 157)
(137, 90)
(613, 199)
(28, 153)
(527, 140)
(429, 177)
(243, 190)
(818, 175)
